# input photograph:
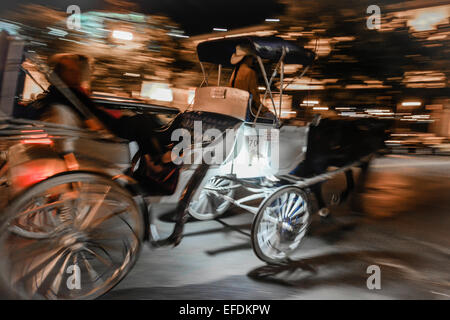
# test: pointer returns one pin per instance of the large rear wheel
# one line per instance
(73, 236)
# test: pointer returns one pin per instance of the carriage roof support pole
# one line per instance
(281, 80)
(269, 83)
(274, 74)
(219, 75)
(263, 71)
(298, 77)
(205, 78)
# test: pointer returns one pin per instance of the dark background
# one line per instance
(194, 16)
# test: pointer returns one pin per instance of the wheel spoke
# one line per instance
(210, 203)
(296, 207)
(284, 202)
(51, 257)
(93, 274)
(270, 219)
(267, 234)
(47, 206)
(56, 284)
(99, 221)
(91, 271)
(204, 204)
(302, 209)
(23, 249)
(87, 219)
(104, 261)
(272, 235)
(292, 203)
(287, 205)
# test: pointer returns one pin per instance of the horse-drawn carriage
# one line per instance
(76, 208)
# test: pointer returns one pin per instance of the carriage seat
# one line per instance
(226, 101)
(222, 100)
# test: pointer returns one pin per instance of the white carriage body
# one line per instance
(259, 149)
(254, 149)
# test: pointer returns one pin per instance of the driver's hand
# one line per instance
(94, 124)
(97, 126)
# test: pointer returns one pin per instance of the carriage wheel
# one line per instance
(280, 224)
(73, 236)
(209, 205)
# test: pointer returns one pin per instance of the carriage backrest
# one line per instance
(222, 100)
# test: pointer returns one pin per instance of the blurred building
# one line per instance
(399, 71)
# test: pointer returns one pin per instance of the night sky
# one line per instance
(194, 16)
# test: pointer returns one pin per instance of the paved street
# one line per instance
(400, 222)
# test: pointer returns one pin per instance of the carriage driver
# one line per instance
(54, 106)
(244, 77)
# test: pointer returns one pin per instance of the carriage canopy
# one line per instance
(268, 48)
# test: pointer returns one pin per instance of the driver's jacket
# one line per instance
(53, 106)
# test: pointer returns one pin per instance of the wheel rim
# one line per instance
(209, 205)
(281, 224)
(71, 239)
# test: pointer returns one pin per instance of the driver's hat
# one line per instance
(241, 52)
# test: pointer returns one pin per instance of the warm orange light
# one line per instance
(31, 131)
(36, 141)
(427, 20)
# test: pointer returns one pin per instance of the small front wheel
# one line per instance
(210, 204)
(280, 224)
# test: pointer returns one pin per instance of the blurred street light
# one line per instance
(427, 20)
(129, 74)
(411, 104)
(122, 35)
(172, 34)
(157, 91)
(310, 102)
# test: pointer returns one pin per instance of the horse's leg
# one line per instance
(362, 177)
(350, 185)
(317, 191)
(356, 203)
